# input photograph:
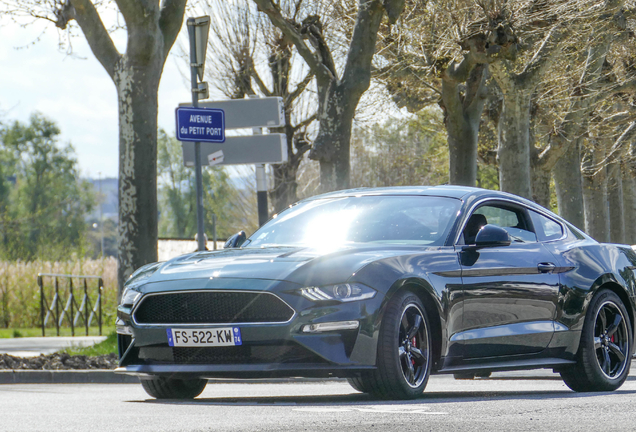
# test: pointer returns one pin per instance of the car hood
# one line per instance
(304, 266)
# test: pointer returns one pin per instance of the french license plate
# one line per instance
(225, 336)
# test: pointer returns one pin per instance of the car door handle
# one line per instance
(546, 267)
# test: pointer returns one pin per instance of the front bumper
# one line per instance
(268, 350)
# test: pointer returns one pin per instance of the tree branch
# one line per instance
(259, 82)
(306, 122)
(627, 134)
(170, 22)
(275, 16)
(299, 88)
(133, 11)
(623, 88)
(357, 72)
(96, 35)
(543, 56)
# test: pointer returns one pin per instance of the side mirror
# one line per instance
(235, 241)
(492, 236)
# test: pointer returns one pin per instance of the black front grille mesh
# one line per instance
(212, 307)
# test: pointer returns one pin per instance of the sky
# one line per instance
(75, 91)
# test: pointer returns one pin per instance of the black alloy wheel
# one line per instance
(605, 350)
(413, 344)
(610, 340)
(404, 351)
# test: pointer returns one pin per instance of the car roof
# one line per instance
(450, 191)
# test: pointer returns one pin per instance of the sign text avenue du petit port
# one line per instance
(200, 124)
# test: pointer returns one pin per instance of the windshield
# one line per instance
(417, 220)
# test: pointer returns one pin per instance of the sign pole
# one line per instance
(261, 194)
(197, 145)
(261, 183)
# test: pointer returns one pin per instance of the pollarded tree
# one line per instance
(252, 56)
(339, 89)
(542, 30)
(437, 57)
(152, 28)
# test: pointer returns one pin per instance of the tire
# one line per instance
(358, 384)
(403, 362)
(605, 350)
(170, 388)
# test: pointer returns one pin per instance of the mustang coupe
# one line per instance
(385, 287)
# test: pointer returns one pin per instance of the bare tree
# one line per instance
(251, 56)
(152, 29)
(338, 93)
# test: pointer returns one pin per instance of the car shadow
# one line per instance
(355, 399)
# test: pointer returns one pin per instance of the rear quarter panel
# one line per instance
(590, 266)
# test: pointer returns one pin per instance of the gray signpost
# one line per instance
(254, 113)
(201, 128)
(240, 150)
(198, 29)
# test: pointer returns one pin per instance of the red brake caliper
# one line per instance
(414, 343)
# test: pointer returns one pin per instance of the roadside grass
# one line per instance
(108, 346)
(64, 331)
(20, 305)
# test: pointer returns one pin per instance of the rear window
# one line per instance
(546, 228)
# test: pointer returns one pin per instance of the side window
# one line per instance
(499, 216)
(547, 229)
(508, 218)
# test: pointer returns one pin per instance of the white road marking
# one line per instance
(380, 409)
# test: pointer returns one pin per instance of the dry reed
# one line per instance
(20, 293)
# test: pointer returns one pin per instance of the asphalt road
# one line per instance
(496, 404)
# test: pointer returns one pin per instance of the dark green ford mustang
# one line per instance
(385, 287)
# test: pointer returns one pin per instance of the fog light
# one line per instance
(331, 326)
(122, 328)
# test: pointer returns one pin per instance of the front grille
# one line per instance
(212, 307)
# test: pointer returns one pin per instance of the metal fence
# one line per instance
(65, 297)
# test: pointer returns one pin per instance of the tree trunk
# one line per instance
(541, 187)
(137, 86)
(285, 188)
(629, 204)
(595, 194)
(152, 28)
(513, 153)
(462, 115)
(569, 187)
(615, 202)
(541, 176)
(333, 143)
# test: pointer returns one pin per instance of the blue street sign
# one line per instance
(200, 125)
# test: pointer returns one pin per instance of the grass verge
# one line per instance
(108, 346)
(37, 332)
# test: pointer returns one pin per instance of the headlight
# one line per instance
(129, 297)
(345, 292)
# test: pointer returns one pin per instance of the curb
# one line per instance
(19, 376)
(16, 376)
